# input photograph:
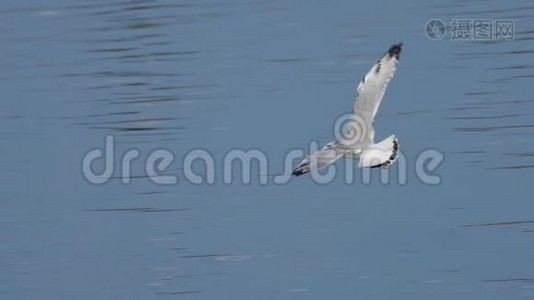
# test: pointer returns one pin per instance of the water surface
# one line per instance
(269, 75)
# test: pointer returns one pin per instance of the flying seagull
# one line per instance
(357, 142)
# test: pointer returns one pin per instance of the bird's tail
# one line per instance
(381, 154)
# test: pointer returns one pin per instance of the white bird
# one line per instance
(357, 141)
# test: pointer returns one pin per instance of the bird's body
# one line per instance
(357, 141)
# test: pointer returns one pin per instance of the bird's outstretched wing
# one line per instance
(320, 159)
(371, 89)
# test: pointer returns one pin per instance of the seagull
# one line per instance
(357, 141)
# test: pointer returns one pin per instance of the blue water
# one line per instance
(268, 75)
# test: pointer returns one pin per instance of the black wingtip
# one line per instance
(297, 172)
(395, 50)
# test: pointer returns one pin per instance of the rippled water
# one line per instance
(269, 75)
